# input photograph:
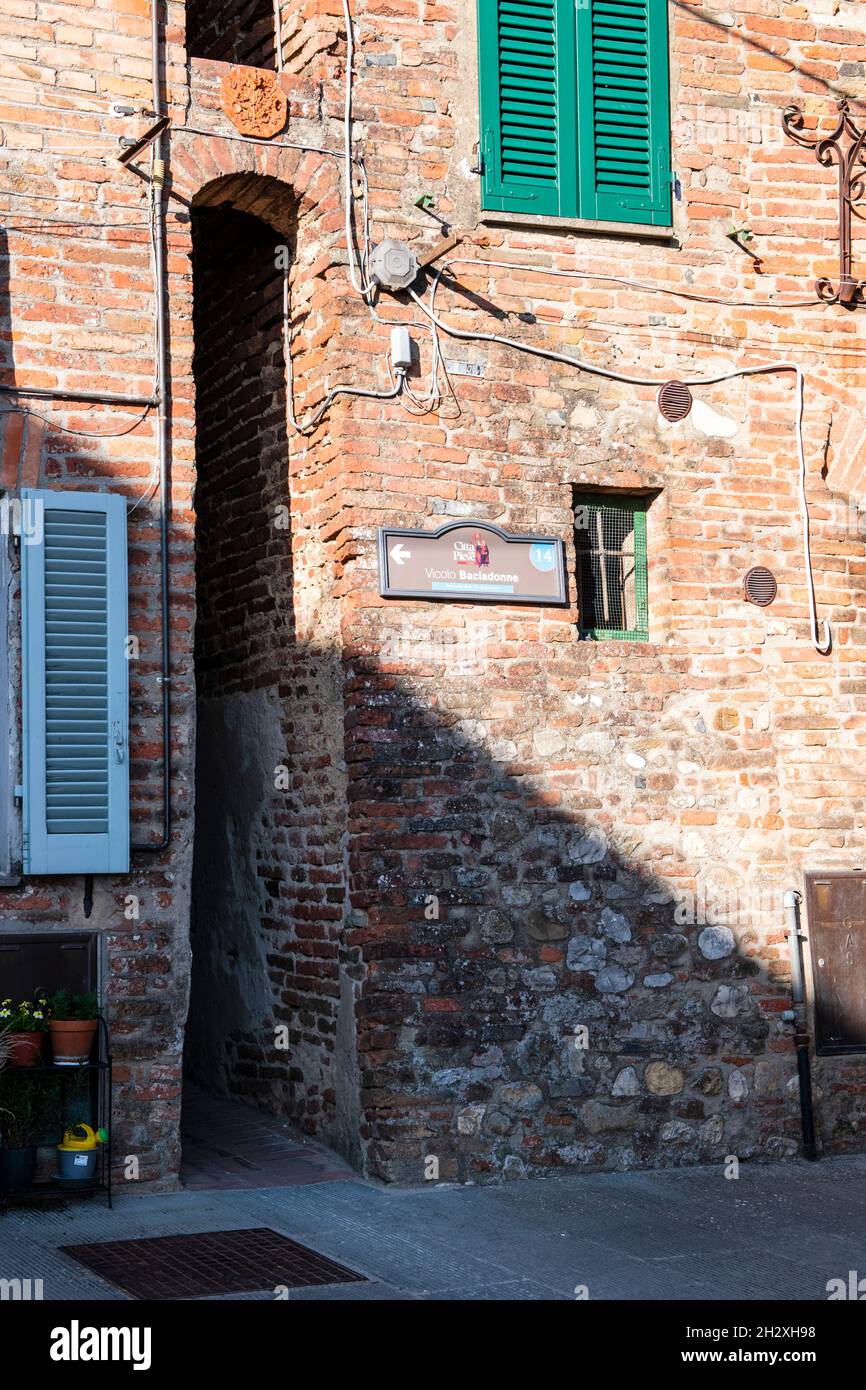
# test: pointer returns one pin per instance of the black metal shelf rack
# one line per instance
(100, 1092)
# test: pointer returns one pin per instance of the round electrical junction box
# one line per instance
(760, 586)
(394, 264)
(674, 401)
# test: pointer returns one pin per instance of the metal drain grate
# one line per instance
(210, 1263)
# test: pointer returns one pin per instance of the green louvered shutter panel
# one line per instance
(528, 83)
(75, 684)
(624, 111)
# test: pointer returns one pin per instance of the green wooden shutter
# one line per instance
(75, 684)
(624, 111)
(528, 83)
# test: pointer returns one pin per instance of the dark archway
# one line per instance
(268, 881)
(244, 633)
(232, 31)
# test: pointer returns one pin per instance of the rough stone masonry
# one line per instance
(448, 881)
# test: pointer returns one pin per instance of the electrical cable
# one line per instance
(360, 284)
(56, 130)
(306, 426)
(821, 644)
(253, 140)
(362, 289)
(42, 197)
(278, 36)
(82, 434)
(153, 483)
(694, 296)
(36, 222)
(163, 370)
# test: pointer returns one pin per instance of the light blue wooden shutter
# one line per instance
(75, 684)
(624, 111)
(528, 106)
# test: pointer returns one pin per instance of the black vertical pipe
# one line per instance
(809, 1147)
(163, 386)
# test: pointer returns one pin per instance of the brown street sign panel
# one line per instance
(472, 561)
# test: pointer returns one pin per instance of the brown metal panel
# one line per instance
(43, 962)
(837, 944)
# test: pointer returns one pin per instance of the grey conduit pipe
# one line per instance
(797, 1016)
(62, 393)
(163, 388)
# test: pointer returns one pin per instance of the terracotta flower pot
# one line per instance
(26, 1049)
(71, 1040)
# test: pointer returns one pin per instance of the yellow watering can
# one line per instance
(76, 1156)
(90, 1140)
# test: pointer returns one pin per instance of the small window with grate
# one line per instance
(610, 541)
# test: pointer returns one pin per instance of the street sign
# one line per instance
(473, 561)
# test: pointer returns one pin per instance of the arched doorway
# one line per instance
(269, 785)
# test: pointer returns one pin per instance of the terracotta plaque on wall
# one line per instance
(254, 102)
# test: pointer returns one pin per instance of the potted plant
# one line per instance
(25, 1025)
(72, 1026)
(18, 1124)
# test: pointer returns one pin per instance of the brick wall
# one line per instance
(243, 572)
(577, 810)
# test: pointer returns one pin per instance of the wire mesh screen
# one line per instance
(610, 538)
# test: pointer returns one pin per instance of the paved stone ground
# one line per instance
(229, 1145)
(780, 1232)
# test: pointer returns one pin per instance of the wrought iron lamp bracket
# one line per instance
(845, 147)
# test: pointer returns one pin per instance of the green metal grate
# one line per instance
(610, 542)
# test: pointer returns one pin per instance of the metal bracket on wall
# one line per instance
(440, 249)
(130, 147)
(844, 147)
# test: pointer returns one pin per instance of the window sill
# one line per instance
(631, 230)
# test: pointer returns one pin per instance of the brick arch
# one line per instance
(272, 181)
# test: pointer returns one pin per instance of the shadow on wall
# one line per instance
(531, 999)
(525, 999)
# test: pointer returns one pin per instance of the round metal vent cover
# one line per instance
(674, 401)
(760, 586)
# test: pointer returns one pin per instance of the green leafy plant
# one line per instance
(21, 1112)
(27, 1016)
(66, 1007)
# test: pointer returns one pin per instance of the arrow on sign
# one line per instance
(400, 554)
